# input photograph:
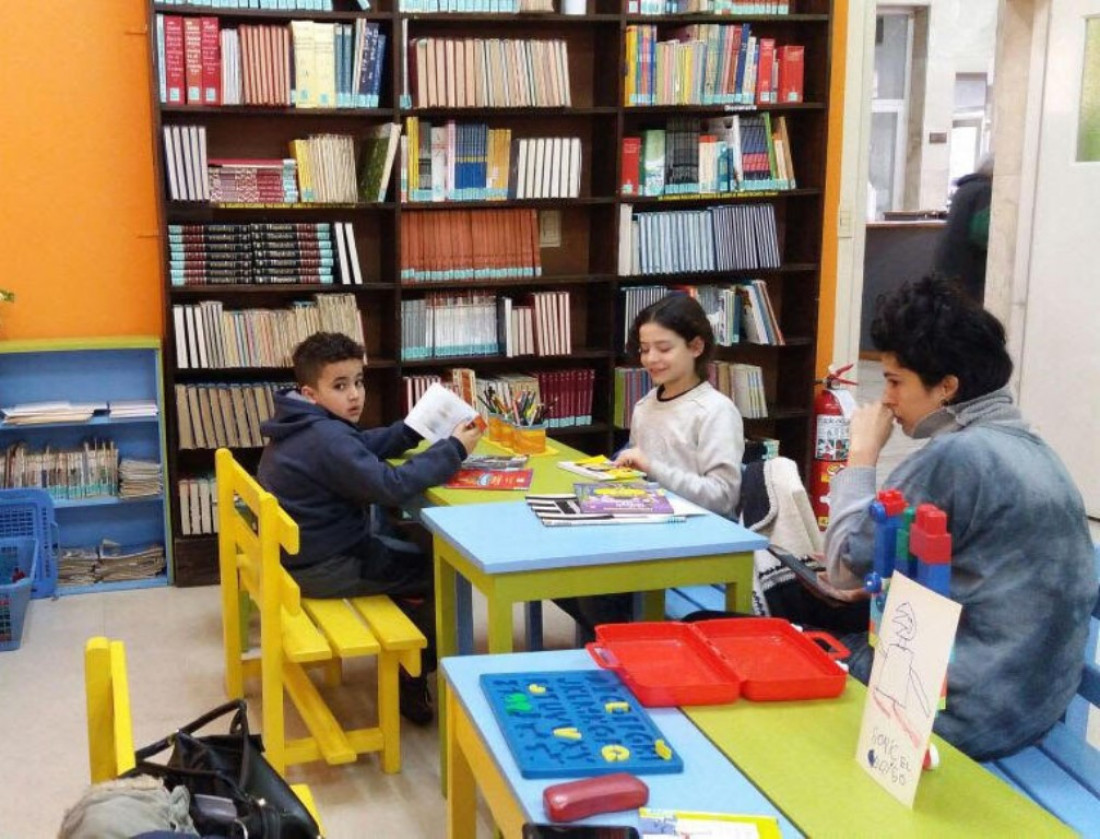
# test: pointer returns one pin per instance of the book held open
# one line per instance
(438, 412)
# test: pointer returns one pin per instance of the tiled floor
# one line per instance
(173, 639)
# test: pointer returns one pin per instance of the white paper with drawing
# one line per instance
(917, 633)
(437, 413)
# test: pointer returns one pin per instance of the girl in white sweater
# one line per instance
(684, 434)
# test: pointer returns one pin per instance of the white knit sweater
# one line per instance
(694, 443)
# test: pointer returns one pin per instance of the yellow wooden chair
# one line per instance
(110, 725)
(296, 632)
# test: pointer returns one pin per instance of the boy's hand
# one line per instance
(468, 433)
(634, 459)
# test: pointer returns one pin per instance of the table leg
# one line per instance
(499, 624)
(446, 639)
(460, 785)
(533, 615)
(464, 615)
(653, 605)
(739, 591)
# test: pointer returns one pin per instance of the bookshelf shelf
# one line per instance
(106, 501)
(68, 454)
(583, 268)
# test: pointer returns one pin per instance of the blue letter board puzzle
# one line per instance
(576, 723)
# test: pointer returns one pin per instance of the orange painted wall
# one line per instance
(78, 219)
(826, 311)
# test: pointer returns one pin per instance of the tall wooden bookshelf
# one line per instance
(586, 263)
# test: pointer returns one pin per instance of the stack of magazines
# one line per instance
(109, 563)
(139, 478)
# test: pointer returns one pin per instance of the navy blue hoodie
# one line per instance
(326, 473)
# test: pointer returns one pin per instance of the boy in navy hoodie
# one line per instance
(328, 473)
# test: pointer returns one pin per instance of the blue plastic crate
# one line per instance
(29, 513)
(15, 553)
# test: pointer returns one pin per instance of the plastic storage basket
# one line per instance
(28, 513)
(19, 553)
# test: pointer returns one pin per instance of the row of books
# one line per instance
(109, 562)
(709, 7)
(480, 323)
(729, 238)
(735, 153)
(211, 416)
(272, 5)
(90, 471)
(198, 505)
(710, 64)
(630, 385)
(325, 169)
(64, 411)
(722, 305)
(208, 337)
(321, 168)
(487, 73)
(567, 394)
(743, 383)
(476, 6)
(263, 253)
(305, 63)
(467, 244)
(472, 162)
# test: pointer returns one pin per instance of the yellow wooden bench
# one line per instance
(110, 725)
(296, 633)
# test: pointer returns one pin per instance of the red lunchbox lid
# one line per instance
(712, 662)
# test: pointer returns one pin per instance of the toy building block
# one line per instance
(930, 543)
(886, 511)
(903, 560)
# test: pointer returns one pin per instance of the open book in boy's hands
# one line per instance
(438, 412)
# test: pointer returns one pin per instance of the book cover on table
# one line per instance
(625, 498)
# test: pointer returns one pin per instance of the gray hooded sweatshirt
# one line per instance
(1022, 569)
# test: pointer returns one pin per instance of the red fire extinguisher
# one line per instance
(832, 408)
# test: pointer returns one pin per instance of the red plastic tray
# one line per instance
(713, 662)
(776, 661)
(665, 663)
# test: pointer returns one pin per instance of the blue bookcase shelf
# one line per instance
(95, 370)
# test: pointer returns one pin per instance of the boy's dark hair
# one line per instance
(319, 350)
(935, 330)
(683, 315)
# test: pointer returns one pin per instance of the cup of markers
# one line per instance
(519, 425)
(529, 439)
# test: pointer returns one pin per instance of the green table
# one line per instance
(802, 756)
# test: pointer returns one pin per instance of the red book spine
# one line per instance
(630, 177)
(174, 59)
(210, 47)
(192, 51)
(792, 62)
(765, 95)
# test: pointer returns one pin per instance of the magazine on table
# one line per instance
(564, 509)
(625, 498)
(502, 479)
(600, 468)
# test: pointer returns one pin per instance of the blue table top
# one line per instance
(709, 781)
(499, 538)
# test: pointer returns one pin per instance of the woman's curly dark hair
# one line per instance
(935, 330)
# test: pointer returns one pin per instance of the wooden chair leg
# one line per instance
(389, 710)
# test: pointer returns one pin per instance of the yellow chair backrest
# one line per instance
(110, 725)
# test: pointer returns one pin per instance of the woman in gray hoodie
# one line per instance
(1022, 565)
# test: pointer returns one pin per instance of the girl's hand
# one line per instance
(869, 429)
(634, 459)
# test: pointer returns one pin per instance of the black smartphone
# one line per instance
(805, 568)
(578, 831)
